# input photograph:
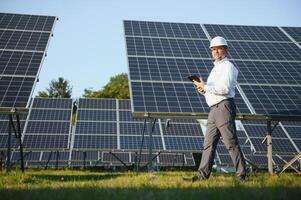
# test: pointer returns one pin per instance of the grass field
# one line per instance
(73, 184)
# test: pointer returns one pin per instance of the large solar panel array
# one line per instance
(23, 44)
(161, 55)
(49, 124)
(108, 124)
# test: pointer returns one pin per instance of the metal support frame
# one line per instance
(115, 156)
(17, 130)
(152, 158)
(48, 160)
(57, 159)
(270, 129)
(85, 158)
(152, 123)
(290, 163)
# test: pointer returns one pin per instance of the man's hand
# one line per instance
(200, 86)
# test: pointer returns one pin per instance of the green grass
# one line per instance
(67, 184)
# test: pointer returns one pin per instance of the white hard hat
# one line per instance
(218, 41)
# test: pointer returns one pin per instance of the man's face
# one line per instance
(218, 53)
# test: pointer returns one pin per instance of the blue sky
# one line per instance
(88, 46)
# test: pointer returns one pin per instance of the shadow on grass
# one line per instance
(76, 177)
(150, 193)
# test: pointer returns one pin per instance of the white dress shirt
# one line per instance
(221, 82)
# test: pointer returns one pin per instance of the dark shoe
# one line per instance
(241, 178)
(193, 178)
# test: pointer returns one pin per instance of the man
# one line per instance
(219, 93)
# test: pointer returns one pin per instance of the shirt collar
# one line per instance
(219, 62)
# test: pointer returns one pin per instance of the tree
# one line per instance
(118, 87)
(59, 88)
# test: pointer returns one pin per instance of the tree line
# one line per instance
(117, 87)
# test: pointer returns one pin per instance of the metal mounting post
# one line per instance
(269, 147)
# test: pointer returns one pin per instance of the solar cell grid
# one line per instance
(167, 69)
(293, 131)
(264, 51)
(140, 46)
(182, 129)
(20, 63)
(126, 116)
(163, 29)
(52, 103)
(127, 128)
(176, 159)
(79, 155)
(46, 141)
(261, 131)
(49, 124)
(96, 115)
(280, 145)
(124, 104)
(4, 126)
(95, 142)
(258, 72)
(62, 156)
(26, 22)
(96, 128)
(251, 33)
(4, 139)
(23, 40)
(97, 104)
(48, 114)
(30, 156)
(183, 143)
(124, 156)
(166, 97)
(15, 91)
(294, 32)
(274, 100)
(134, 142)
(297, 143)
(47, 127)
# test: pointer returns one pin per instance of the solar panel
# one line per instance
(159, 64)
(23, 44)
(49, 124)
(90, 155)
(294, 32)
(96, 124)
(274, 100)
(248, 33)
(282, 144)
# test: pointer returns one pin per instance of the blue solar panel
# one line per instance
(57, 141)
(249, 33)
(183, 143)
(294, 32)
(15, 91)
(266, 72)
(159, 66)
(166, 47)
(20, 62)
(274, 100)
(23, 43)
(23, 40)
(95, 142)
(49, 124)
(134, 142)
(96, 128)
(163, 29)
(26, 22)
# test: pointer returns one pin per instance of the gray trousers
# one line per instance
(221, 122)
